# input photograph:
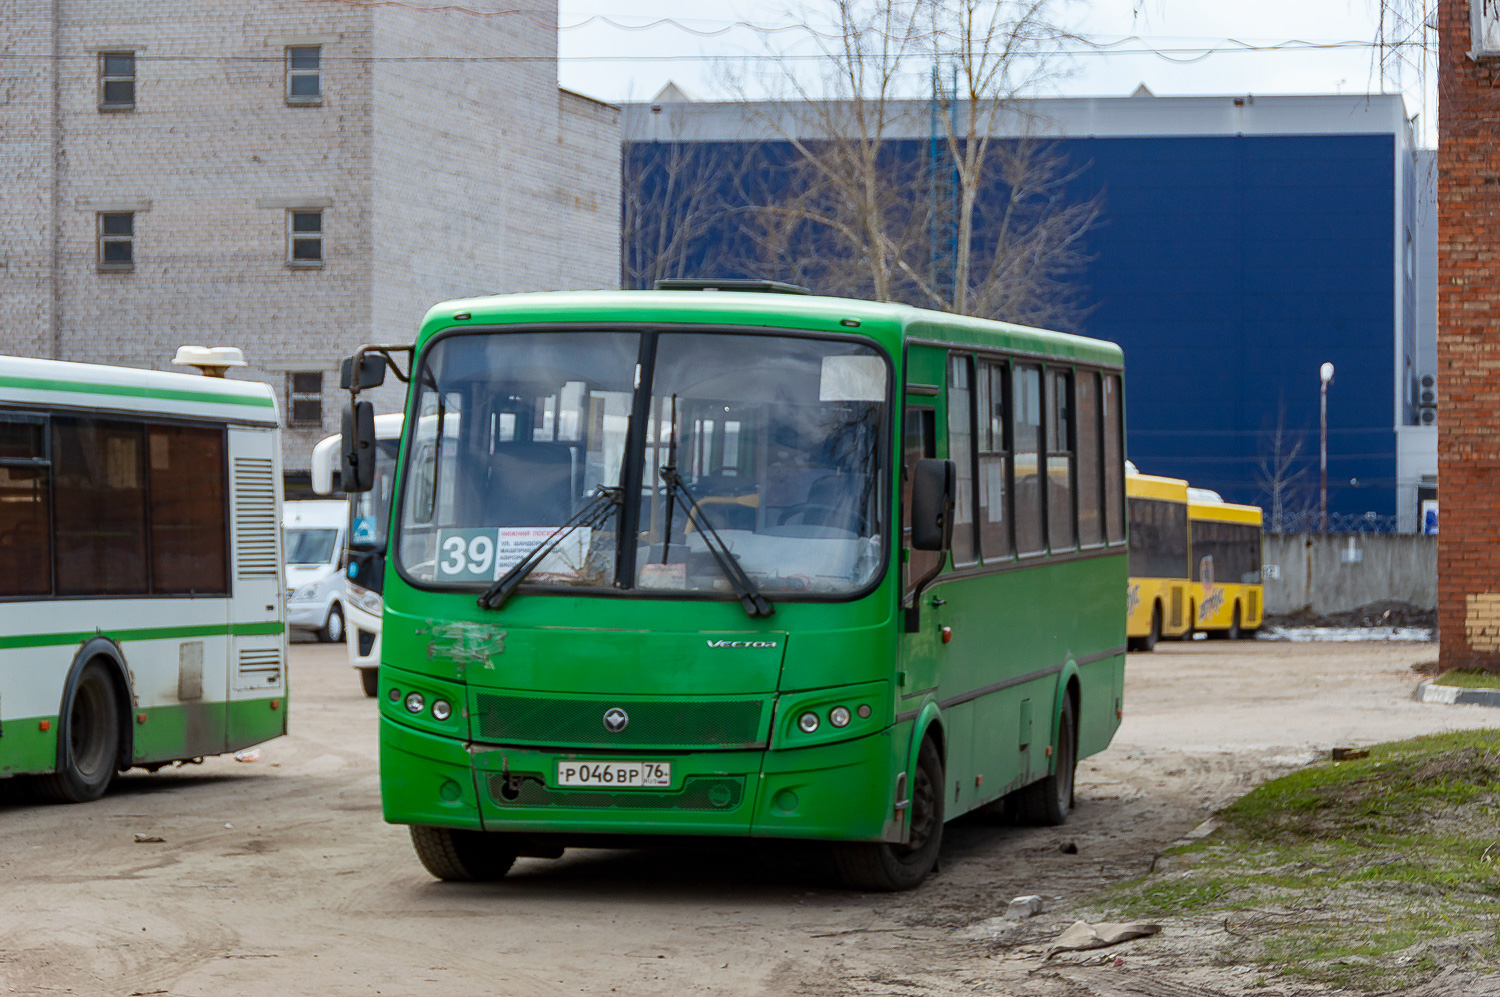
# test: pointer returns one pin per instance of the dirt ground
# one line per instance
(278, 877)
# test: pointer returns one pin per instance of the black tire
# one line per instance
(1148, 642)
(1192, 626)
(462, 856)
(88, 739)
(1234, 632)
(332, 631)
(886, 867)
(1048, 801)
(370, 679)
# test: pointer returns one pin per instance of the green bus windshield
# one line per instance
(777, 438)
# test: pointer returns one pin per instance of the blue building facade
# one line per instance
(1243, 242)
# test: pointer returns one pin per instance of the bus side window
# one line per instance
(961, 452)
(1114, 462)
(1090, 493)
(1026, 423)
(919, 439)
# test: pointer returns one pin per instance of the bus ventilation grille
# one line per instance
(258, 668)
(579, 723)
(697, 793)
(1176, 607)
(255, 525)
(1254, 605)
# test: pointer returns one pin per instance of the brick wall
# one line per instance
(26, 175)
(1468, 349)
(437, 177)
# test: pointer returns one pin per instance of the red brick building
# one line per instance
(1468, 342)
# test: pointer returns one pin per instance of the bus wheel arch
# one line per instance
(94, 738)
(888, 866)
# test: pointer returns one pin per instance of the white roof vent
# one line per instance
(213, 361)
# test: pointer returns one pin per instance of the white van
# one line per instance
(314, 543)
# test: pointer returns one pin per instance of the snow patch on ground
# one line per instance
(1346, 634)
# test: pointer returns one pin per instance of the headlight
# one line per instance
(306, 593)
(808, 722)
(415, 702)
(441, 710)
(838, 716)
(369, 601)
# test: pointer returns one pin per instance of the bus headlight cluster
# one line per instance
(839, 716)
(415, 703)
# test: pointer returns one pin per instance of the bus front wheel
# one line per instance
(887, 867)
(1148, 642)
(1049, 801)
(462, 856)
(88, 739)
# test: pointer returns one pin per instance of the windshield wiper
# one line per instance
(744, 586)
(593, 515)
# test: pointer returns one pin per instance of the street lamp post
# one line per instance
(1325, 374)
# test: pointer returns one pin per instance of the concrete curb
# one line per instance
(1429, 692)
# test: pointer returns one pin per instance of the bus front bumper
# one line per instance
(843, 791)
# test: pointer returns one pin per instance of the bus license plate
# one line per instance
(631, 775)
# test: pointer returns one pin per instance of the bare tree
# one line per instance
(678, 211)
(987, 225)
(1280, 473)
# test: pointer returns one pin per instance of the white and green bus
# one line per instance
(141, 617)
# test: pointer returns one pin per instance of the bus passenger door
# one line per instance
(919, 655)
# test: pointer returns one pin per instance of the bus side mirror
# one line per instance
(357, 465)
(371, 372)
(933, 490)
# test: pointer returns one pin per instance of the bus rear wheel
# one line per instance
(370, 679)
(1233, 633)
(886, 867)
(462, 856)
(1049, 801)
(88, 739)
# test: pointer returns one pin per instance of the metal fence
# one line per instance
(1338, 522)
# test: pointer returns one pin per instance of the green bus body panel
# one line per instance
(26, 749)
(529, 683)
(168, 733)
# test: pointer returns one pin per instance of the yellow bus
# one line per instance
(1227, 594)
(1159, 602)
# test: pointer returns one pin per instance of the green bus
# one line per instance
(722, 559)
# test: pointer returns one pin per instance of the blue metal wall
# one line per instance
(1229, 268)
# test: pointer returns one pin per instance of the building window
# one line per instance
(304, 74)
(116, 81)
(304, 398)
(304, 238)
(116, 240)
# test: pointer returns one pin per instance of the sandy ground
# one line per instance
(278, 877)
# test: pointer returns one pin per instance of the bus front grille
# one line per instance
(579, 723)
(697, 793)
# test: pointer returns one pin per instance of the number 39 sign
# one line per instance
(467, 555)
(483, 555)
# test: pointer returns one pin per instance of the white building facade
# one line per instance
(289, 177)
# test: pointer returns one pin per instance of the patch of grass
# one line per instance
(1468, 680)
(1362, 874)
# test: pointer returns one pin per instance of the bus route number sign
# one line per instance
(467, 555)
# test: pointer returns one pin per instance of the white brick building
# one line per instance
(293, 177)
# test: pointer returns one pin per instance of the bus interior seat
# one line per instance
(530, 484)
